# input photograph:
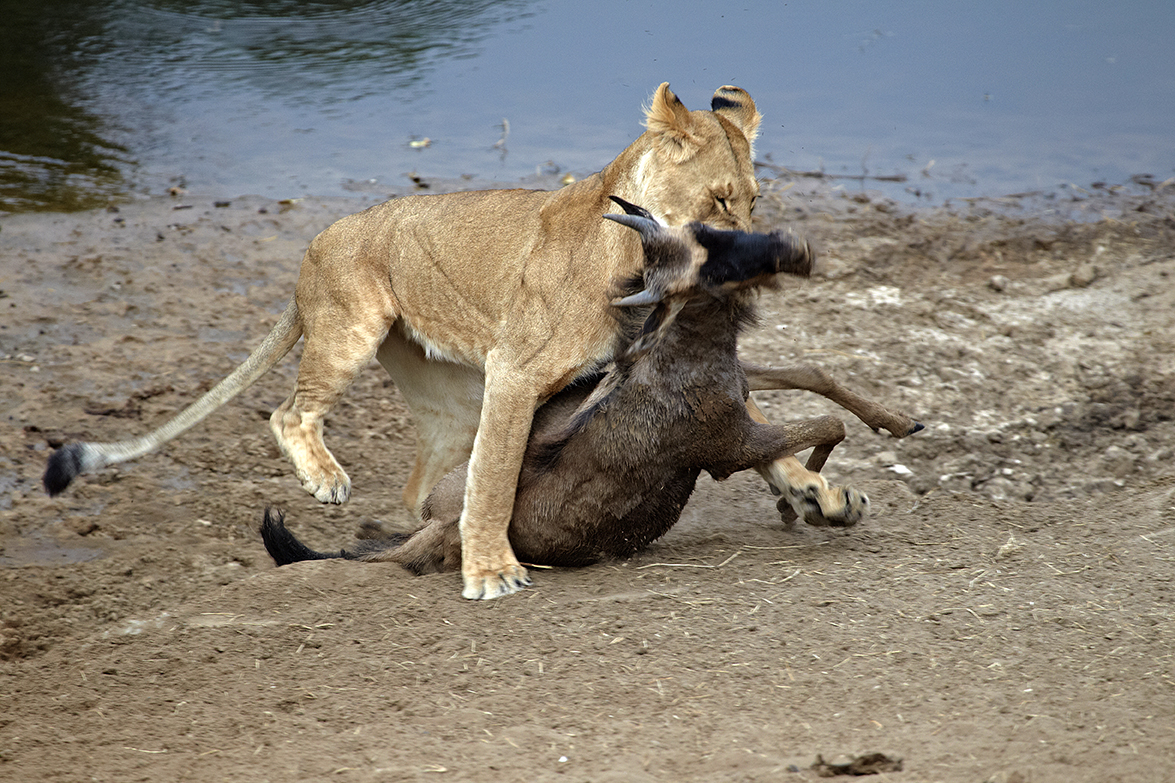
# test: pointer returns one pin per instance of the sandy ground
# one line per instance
(1004, 615)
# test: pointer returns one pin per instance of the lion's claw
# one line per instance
(333, 489)
(495, 584)
(820, 507)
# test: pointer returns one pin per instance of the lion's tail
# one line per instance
(73, 459)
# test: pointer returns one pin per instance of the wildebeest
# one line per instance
(610, 464)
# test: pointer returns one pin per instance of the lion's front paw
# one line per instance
(486, 584)
(823, 506)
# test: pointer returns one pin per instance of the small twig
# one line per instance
(846, 355)
(1147, 536)
(727, 560)
(690, 565)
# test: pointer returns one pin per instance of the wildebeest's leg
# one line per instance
(811, 378)
(445, 399)
(805, 492)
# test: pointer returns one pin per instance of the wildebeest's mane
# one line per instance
(744, 312)
(631, 321)
(544, 455)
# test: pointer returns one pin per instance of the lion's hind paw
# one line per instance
(328, 487)
(824, 506)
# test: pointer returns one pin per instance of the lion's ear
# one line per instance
(668, 117)
(736, 105)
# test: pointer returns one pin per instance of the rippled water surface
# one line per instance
(104, 99)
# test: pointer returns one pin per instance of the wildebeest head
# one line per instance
(683, 262)
(696, 256)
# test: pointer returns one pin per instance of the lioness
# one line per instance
(481, 305)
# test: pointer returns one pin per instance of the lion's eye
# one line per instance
(754, 201)
(722, 203)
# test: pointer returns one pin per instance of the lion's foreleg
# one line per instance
(488, 565)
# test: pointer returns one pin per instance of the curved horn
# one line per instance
(642, 225)
(632, 209)
(637, 218)
(645, 297)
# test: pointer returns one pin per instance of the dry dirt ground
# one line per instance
(1004, 615)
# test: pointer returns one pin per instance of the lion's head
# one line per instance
(698, 165)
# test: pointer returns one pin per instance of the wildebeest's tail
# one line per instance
(283, 547)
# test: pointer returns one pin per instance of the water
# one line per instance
(284, 98)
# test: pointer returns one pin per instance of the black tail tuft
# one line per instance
(64, 464)
(281, 544)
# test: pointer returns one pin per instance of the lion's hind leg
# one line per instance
(343, 332)
(323, 376)
(445, 399)
(805, 493)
